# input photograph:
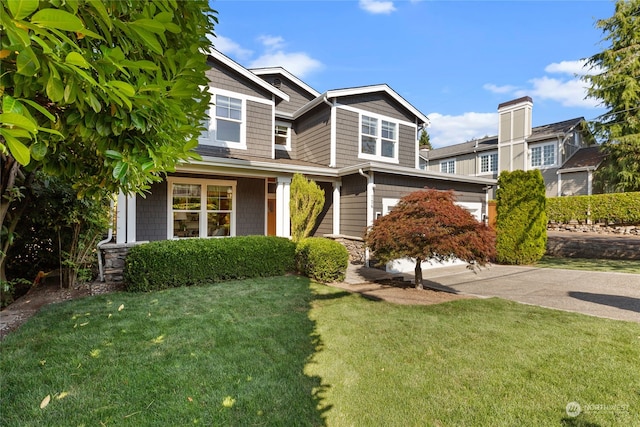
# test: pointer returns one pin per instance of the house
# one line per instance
(358, 144)
(563, 152)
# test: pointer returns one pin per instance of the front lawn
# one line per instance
(283, 351)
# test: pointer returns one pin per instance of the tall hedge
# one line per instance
(521, 223)
(618, 208)
(173, 263)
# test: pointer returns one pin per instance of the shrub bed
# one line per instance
(616, 208)
(322, 259)
(173, 263)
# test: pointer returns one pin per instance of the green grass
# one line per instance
(286, 352)
(612, 265)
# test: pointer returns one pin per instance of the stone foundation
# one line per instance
(114, 258)
(630, 230)
(354, 245)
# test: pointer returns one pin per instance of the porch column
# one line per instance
(131, 218)
(121, 219)
(336, 207)
(283, 216)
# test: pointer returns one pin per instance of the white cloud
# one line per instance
(569, 93)
(567, 67)
(377, 7)
(297, 63)
(231, 48)
(448, 130)
(499, 89)
(272, 42)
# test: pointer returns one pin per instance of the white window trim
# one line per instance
(488, 154)
(208, 137)
(541, 146)
(203, 206)
(396, 142)
(287, 146)
(452, 159)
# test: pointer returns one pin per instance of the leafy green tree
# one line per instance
(106, 94)
(307, 201)
(521, 223)
(427, 224)
(616, 83)
(425, 140)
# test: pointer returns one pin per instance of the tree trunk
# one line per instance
(418, 274)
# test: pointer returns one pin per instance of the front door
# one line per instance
(271, 217)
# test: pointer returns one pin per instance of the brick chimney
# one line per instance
(514, 127)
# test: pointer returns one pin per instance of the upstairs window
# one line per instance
(543, 155)
(282, 137)
(228, 118)
(378, 138)
(448, 166)
(489, 163)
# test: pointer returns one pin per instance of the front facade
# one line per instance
(562, 151)
(358, 144)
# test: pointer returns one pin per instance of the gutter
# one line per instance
(370, 189)
(102, 242)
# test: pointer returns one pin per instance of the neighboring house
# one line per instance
(563, 151)
(358, 144)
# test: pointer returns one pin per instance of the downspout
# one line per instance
(370, 187)
(102, 242)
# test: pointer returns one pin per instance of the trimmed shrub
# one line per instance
(174, 263)
(322, 259)
(613, 208)
(521, 223)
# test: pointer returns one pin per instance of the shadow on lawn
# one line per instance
(577, 422)
(621, 302)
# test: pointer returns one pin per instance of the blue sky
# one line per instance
(453, 60)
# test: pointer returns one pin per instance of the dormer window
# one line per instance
(378, 138)
(282, 137)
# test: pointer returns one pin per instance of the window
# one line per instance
(227, 125)
(543, 155)
(448, 166)
(378, 138)
(282, 136)
(489, 163)
(201, 208)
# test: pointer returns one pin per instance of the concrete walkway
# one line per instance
(610, 295)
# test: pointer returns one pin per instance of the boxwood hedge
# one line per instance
(613, 208)
(322, 259)
(173, 263)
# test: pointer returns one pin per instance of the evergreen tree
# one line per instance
(425, 141)
(616, 82)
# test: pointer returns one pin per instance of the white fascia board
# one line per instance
(248, 74)
(399, 170)
(379, 88)
(251, 167)
(279, 70)
(576, 169)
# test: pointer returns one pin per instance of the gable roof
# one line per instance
(587, 158)
(279, 70)
(361, 90)
(538, 133)
(247, 74)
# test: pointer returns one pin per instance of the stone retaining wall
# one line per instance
(632, 230)
(583, 245)
(355, 247)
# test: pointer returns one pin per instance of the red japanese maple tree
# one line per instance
(427, 224)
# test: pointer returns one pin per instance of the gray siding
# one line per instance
(259, 135)
(575, 183)
(347, 138)
(550, 177)
(297, 96)
(151, 214)
(353, 206)
(378, 103)
(395, 187)
(407, 146)
(325, 219)
(224, 78)
(250, 207)
(313, 136)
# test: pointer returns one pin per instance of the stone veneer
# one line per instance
(114, 258)
(355, 247)
(633, 230)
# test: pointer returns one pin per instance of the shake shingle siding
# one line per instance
(378, 103)
(250, 207)
(222, 77)
(407, 147)
(353, 206)
(297, 96)
(151, 214)
(259, 129)
(313, 137)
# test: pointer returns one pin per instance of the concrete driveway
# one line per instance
(611, 295)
